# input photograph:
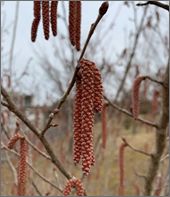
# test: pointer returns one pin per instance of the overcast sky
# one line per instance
(24, 48)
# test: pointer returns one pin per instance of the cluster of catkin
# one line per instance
(74, 183)
(88, 100)
(49, 15)
(22, 171)
(75, 23)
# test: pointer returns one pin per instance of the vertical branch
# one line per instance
(160, 136)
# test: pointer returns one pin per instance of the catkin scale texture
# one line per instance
(74, 183)
(13, 140)
(54, 5)
(37, 17)
(72, 21)
(22, 167)
(78, 25)
(85, 107)
(46, 18)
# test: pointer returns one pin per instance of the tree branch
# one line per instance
(130, 114)
(156, 3)
(160, 136)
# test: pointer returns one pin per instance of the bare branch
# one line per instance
(156, 3)
(130, 114)
(135, 149)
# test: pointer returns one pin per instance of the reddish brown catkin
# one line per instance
(155, 101)
(78, 25)
(104, 126)
(158, 186)
(13, 140)
(72, 21)
(35, 23)
(77, 121)
(46, 19)
(87, 115)
(54, 5)
(74, 183)
(22, 171)
(121, 168)
(135, 95)
(98, 90)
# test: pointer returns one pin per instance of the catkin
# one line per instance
(13, 140)
(46, 19)
(135, 95)
(78, 25)
(121, 168)
(22, 167)
(87, 115)
(74, 183)
(37, 17)
(72, 21)
(85, 106)
(54, 5)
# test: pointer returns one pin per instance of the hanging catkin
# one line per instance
(45, 18)
(135, 95)
(85, 106)
(13, 140)
(22, 167)
(78, 25)
(121, 168)
(74, 183)
(72, 21)
(22, 171)
(54, 5)
(75, 23)
(37, 9)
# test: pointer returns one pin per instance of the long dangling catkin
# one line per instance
(78, 25)
(77, 121)
(121, 168)
(98, 90)
(22, 167)
(104, 126)
(54, 5)
(72, 21)
(87, 114)
(35, 23)
(135, 95)
(74, 183)
(46, 19)
(85, 106)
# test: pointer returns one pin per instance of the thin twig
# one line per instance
(36, 188)
(130, 114)
(155, 80)
(135, 149)
(156, 3)
(13, 108)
